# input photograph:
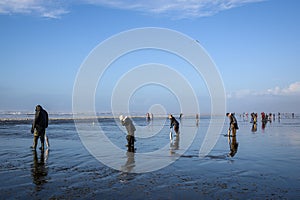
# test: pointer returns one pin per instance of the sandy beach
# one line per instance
(266, 165)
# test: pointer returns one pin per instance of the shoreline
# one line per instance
(264, 166)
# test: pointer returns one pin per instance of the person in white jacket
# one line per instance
(127, 122)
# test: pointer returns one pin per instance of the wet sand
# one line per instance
(266, 166)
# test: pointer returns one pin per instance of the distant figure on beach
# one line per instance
(245, 116)
(270, 117)
(148, 118)
(264, 117)
(127, 122)
(254, 122)
(233, 125)
(174, 123)
(180, 116)
(264, 120)
(39, 125)
(197, 119)
(253, 118)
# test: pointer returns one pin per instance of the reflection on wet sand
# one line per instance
(39, 169)
(254, 127)
(174, 144)
(130, 162)
(233, 145)
(233, 148)
(127, 169)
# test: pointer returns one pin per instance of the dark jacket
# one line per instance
(233, 121)
(173, 122)
(40, 121)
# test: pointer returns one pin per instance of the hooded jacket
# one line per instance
(40, 121)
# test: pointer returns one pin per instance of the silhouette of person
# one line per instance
(233, 125)
(254, 122)
(180, 116)
(197, 120)
(174, 123)
(264, 120)
(148, 118)
(270, 117)
(127, 122)
(253, 118)
(39, 125)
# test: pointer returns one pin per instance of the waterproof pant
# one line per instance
(176, 129)
(130, 141)
(232, 129)
(36, 135)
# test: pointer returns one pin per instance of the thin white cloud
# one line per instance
(292, 89)
(170, 8)
(44, 8)
(175, 8)
(54, 13)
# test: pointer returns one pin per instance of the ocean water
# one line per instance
(265, 166)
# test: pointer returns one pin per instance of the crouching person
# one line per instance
(233, 125)
(127, 122)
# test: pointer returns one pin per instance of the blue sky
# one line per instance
(254, 44)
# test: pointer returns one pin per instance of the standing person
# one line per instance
(148, 118)
(253, 118)
(39, 125)
(270, 117)
(180, 116)
(127, 122)
(233, 125)
(173, 123)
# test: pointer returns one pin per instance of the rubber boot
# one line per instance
(42, 147)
